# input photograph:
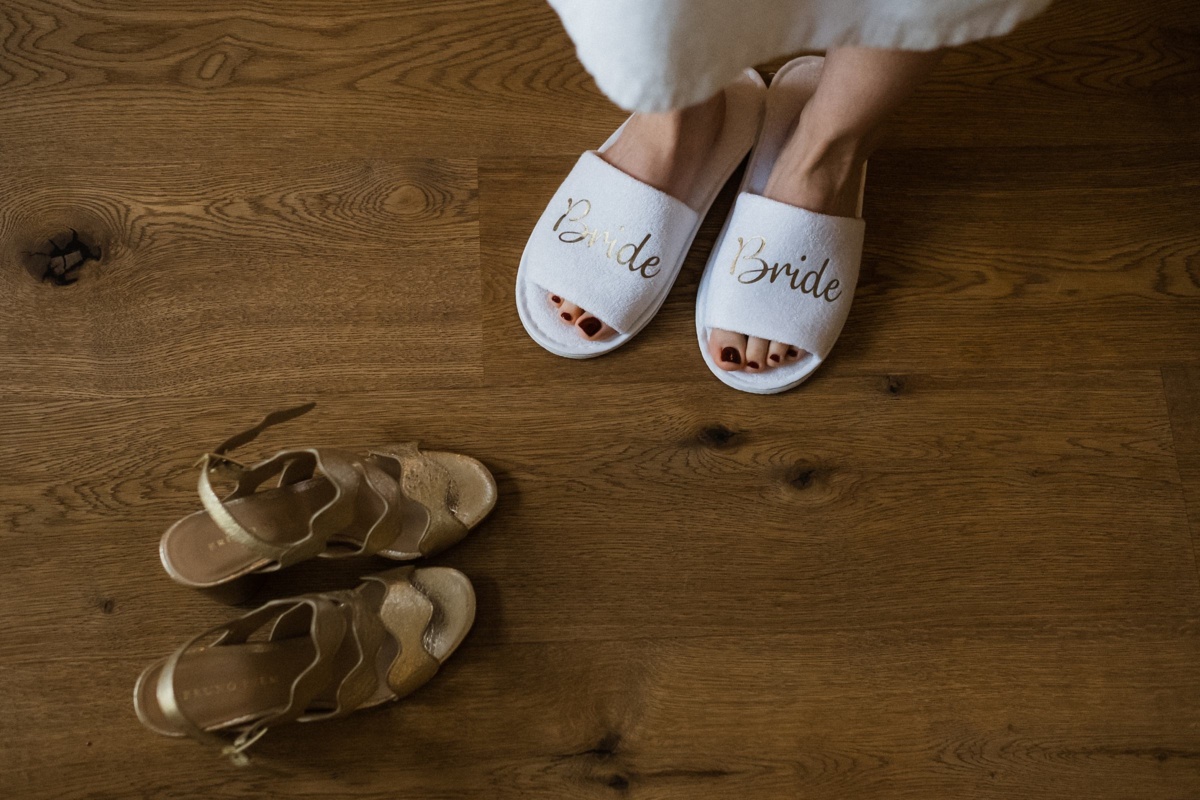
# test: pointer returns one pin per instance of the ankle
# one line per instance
(829, 152)
(668, 151)
(700, 122)
(711, 109)
(820, 171)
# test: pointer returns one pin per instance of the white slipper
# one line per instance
(776, 271)
(614, 245)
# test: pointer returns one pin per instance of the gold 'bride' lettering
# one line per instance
(626, 255)
(758, 268)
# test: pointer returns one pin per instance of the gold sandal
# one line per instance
(324, 656)
(398, 502)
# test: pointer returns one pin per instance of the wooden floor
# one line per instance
(960, 562)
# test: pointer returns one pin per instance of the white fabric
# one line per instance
(609, 243)
(784, 274)
(652, 55)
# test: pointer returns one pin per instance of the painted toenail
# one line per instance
(774, 356)
(555, 298)
(792, 353)
(730, 356)
(752, 364)
(565, 316)
(590, 326)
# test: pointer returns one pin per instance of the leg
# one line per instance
(821, 165)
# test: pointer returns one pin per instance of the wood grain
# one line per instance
(960, 562)
(394, 240)
(1182, 386)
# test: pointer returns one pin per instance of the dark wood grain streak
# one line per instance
(959, 563)
(1182, 386)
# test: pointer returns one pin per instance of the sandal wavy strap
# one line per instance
(345, 473)
(429, 483)
(415, 618)
(326, 656)
(388, 610)
(397, 501)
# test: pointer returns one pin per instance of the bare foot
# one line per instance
(666, 151)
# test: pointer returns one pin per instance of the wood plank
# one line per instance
(914, 586)
(1046, 503)
(1182, 386)
(213, 277)
(449, 79)
(786, 715)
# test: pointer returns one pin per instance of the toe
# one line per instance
(569, 312)
(756, 354)
(776, 353)
(793, 354)
(727, 349)
(555, 300)
(592, 329)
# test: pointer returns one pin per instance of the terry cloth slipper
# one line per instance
(614, 245)
(780, 272)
